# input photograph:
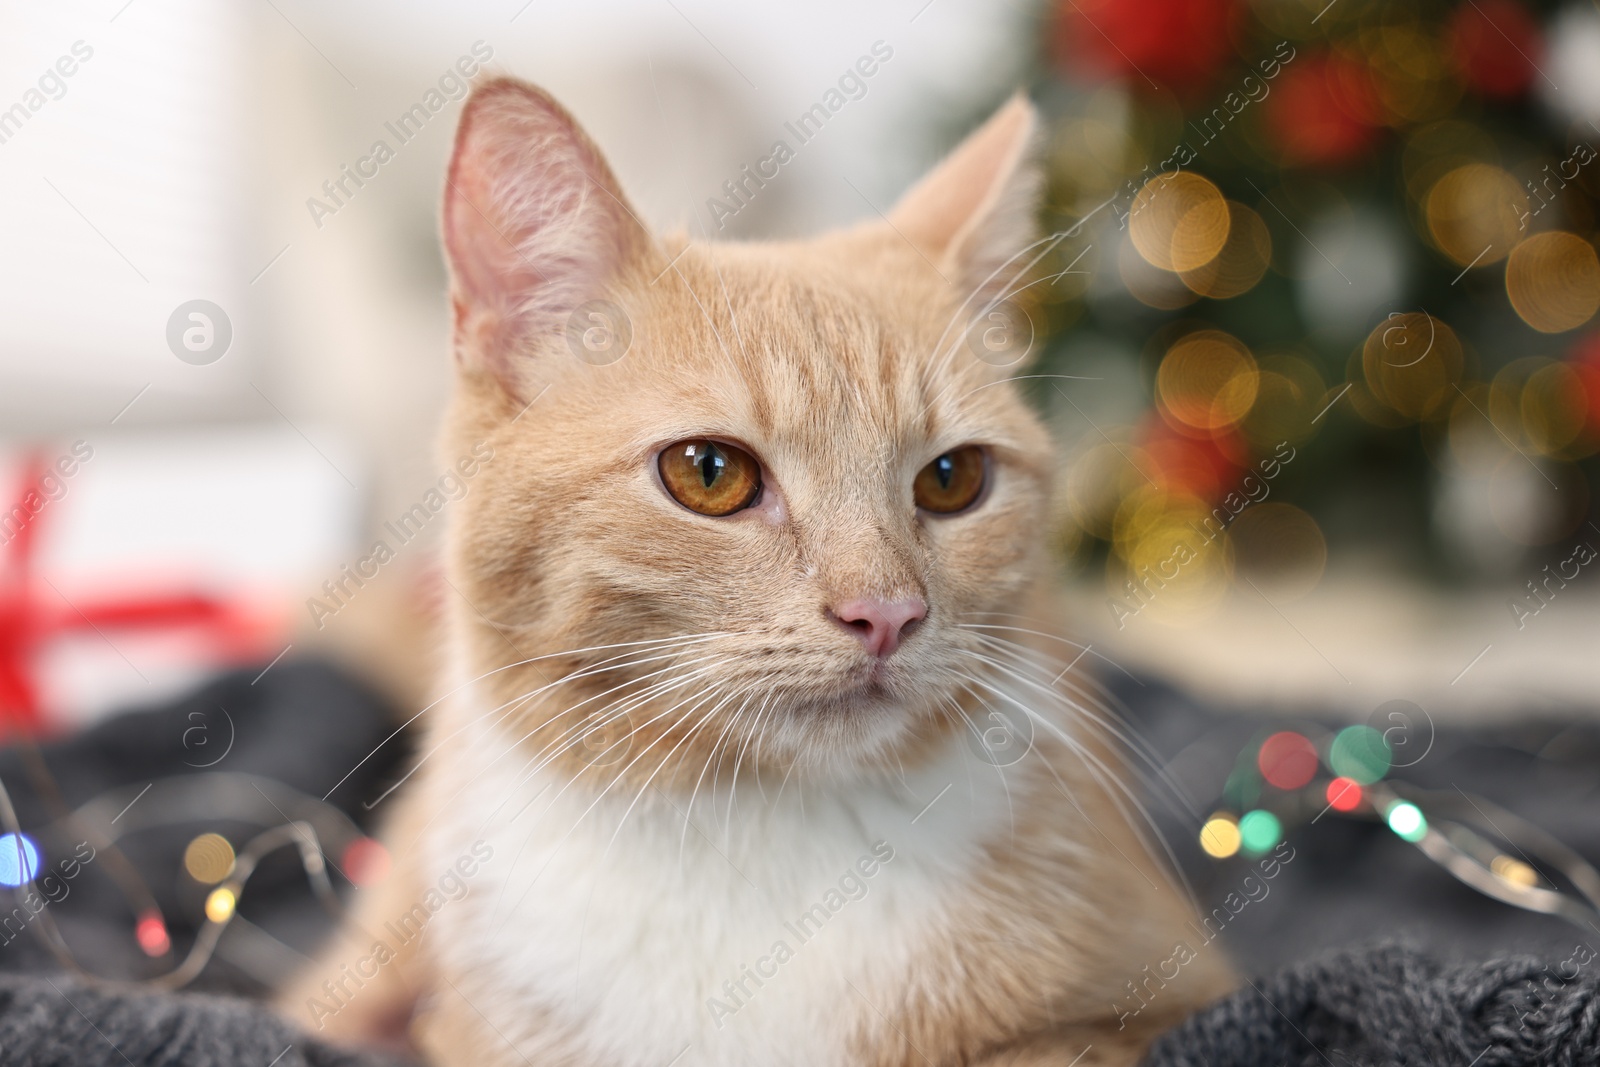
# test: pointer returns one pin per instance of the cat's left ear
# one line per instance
(974, 213)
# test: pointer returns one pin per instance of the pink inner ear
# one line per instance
(534, 223)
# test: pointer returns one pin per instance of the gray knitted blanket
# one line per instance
(1388, 1006)
(1376, 1008)
(306, 725)
(57, 1022)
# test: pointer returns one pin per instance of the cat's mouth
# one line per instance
(877, 682)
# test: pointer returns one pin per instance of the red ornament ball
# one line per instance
(1324, 111)
(1287, 760)
(1180, 44)
(1495, 45)
(1584, 360)
(1205, 467)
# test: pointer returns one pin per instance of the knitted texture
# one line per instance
(57, 1022)
(1391, 1006)
(1383, 1007)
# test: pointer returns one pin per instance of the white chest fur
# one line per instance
(752, 929)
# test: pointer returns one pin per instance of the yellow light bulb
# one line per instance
(1220, 837)
(1514, 871)
(220, 904)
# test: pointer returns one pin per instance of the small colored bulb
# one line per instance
(19, 859)
(1220, 836)
(1344, 794)
(1287, 760)
(365, 862)
(1514, 871)
(220, 904)
(1407, 820)
(1259, 831)
(1359, 753)
(151, 931)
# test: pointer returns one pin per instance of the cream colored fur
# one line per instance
(667, 747)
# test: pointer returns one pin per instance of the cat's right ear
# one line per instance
(974, 214)
(535, 225)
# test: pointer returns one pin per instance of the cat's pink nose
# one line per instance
(881, 624)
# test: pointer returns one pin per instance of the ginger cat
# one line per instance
(755, 562)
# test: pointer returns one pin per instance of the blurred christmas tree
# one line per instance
(1332, 270)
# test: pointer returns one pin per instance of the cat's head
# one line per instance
(743, 497)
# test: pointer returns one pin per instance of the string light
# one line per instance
(1510, 869)
(1259, 831)
(1219, 837)
(151, 932)
(1450, 834)
(1407, 821)
(365, 862)
(206, 857)
(19, 859)
(1287, 760)
(1344, 794)
(1359, 753)
(220, 904)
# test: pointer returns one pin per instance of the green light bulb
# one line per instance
(1360, 754)
(1259, 831)
(1407, 821)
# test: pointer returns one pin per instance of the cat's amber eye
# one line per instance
(710, 477)
(952, 482)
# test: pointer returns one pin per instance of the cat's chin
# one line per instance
(860, 725)
(874, 693)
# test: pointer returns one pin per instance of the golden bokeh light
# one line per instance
(1411, 73)
(1169, 568)
(1553, 280)
(1179, 222)
(1369, 407)
(1146, 509)
(1505, 397)
(1207, 381)
(1557, 413)
(1544, 405)
(1289, 394)
(1151, 286)
(1280, 548)
(208, 859)
(1100, 480)
(1475, 214)
(1436, 149)
(1241, 261)
(1411, 363)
